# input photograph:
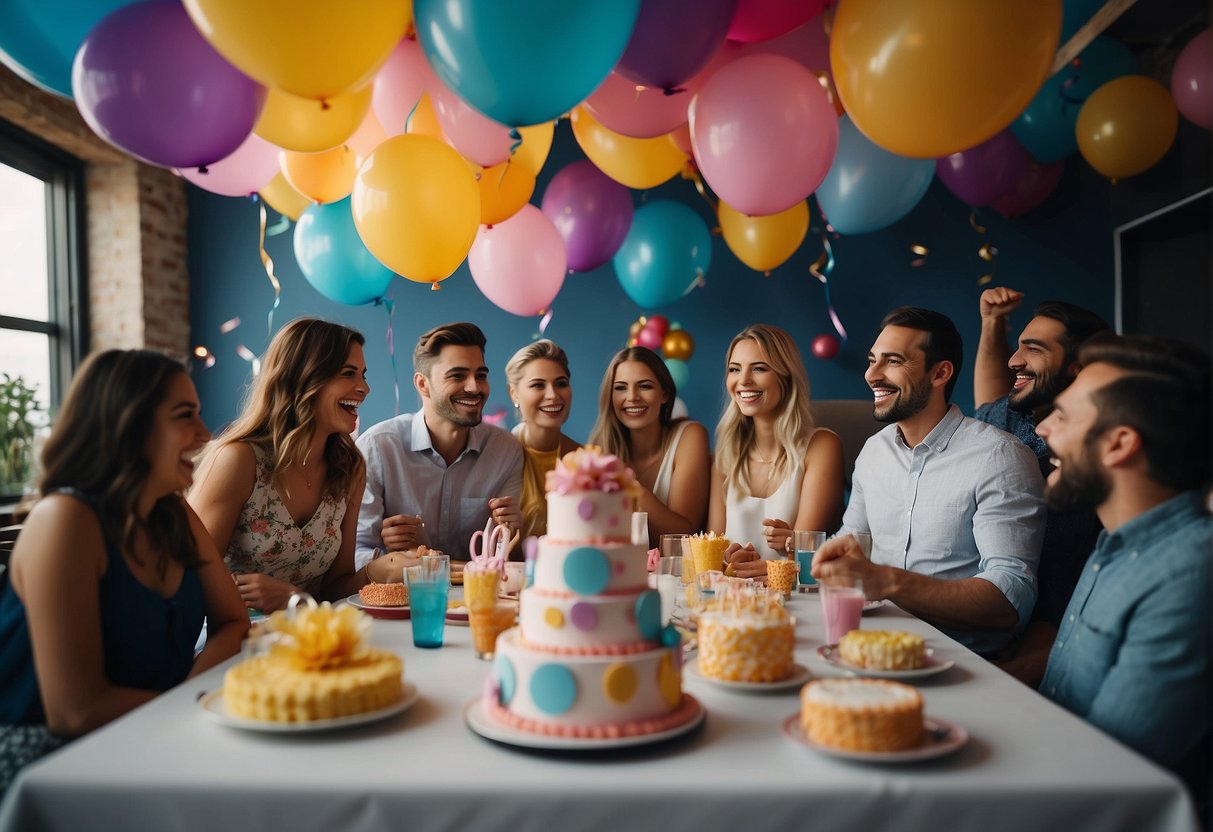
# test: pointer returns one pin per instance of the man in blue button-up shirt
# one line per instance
(1131, 437)
(954, 506)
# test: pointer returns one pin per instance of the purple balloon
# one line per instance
(591, 211)
(983, 173)
(148, 83)
(674, 39)
(1032, 189)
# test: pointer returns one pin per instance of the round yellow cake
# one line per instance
(272, 688)
(883, 650)
(384, 595)
(862, 714)
(747, 646)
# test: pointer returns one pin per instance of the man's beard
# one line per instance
(1081, 485)
(445, 410)
(1044, 388)
(904, 406)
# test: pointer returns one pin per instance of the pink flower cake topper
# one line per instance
(589, 469)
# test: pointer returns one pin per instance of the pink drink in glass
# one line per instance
(841, 609)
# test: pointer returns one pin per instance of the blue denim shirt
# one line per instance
(1020, 425)
(1132, 654)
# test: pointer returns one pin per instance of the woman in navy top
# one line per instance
(113, 573)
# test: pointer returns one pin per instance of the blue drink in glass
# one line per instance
(427, 604)
(806, 544)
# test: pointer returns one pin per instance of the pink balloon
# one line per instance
(764, 133)
(247, 170)
(765, 19)
(476, 136)
(399, 86)
(825, 346)
(519, 264)
(649, 338)
(1032, 189)
(1192, 80)
(659, 324)
(639, 112)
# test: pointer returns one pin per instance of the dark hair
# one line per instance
(430, 344)
(943, 341)
(98, 444)
(609, 433)
(1078, 325)
(1165, 398)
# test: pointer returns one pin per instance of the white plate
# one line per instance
(479, 722)
(800, 675)
(829, 654)
(941, 737)
(390, 613)
(214, 707)
(869, 606)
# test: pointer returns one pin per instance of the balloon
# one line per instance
(664, 51)
(1127, 126)
(763, 243)
(679, 344)
(1032, 189)
(980, 174)
(637, 163)
(400, 84)
(247, 170)
(334, 260)
(1192, 80)
(369, 135)
(536, 144)
(1046, 127)
(807, 45)
(679, 371)
(504, 189)
(667, 250)
(417, 207)
(681, 139)
(309, 48)
(659, 324)
(926, 78)
(307, 125)
(477, 138)
(869, 188)
(424, 122)
(825, 346)
(519, 264)
(680, 409)
(591, 211)
(764, 133)
(640, 112)
(284, 199)
(327, 176)
(523, 63)
(766, 19)
(172, 101)
(39, 38)
(648, 338)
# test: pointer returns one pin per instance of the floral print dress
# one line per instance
(267, 539)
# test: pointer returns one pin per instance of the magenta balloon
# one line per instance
(825, 346)
(591, 211)
(649, 338)
(519, 264)
(765, 19)
(764, 133)
(807, 45)
(1032, 189)
(245, 172)
(399, 86)
(659, 324)
(673, 40)
(1192, 80)
(983, 173)
(148, 83)
(476, 136)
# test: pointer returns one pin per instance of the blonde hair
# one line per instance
(279, 412)
(793, 424)
(543, 348)
(609, 433)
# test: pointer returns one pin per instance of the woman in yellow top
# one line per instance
(538, 377)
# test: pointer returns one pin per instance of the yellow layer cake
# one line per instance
(273, 689)
(862, 714)
(883, 650)
(750, 646)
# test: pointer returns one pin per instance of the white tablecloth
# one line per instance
(1029, 765)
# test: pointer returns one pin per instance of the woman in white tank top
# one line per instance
(774, 472)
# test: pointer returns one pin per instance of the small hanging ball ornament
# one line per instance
(678, 344)
(825, 346)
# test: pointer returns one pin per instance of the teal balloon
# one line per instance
(39, 38)
(1046, 127)
(869, 188)
(334, 259)
(523, 62)
(667, 249)
(680, 372)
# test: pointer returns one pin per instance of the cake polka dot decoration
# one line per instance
(648, 614)
(503, 669)
(619, 683)
(583, 616)
(553, 689)
(554, 618)
(587, 570)
(585, 509)
(670, 681)
(670, 636)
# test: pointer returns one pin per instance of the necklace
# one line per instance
(770, 465)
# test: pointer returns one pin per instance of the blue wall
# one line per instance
(1062, 250)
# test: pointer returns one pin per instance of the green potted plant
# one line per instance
(18, 422)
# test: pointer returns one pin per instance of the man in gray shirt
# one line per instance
(435, 476)
(954, 506)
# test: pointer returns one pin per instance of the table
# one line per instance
(1029, 765)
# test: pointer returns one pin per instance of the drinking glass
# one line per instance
(841, 607)
(864, 539)
(515, 578)
(805, 544)
(487, 623)
(438, 560)
(640, 528)
(429, 584)
(675, 545)
(669, 586)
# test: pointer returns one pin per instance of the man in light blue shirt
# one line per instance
(1131, 440)
(954, 506)
(435, 476)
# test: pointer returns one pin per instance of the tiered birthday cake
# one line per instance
(589, 658)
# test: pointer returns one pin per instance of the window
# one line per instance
(41, 293)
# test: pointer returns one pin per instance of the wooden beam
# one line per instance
(1090, 30)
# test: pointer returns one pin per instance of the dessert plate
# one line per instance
(391, 613)
(829, 654)
(214, 707)
(941, 737)
(456, 613)
(869, 606)
(479, 722)
(800, 675)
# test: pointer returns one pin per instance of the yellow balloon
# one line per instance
(417, 207)
(637, 163)
(309, 48)
(763, 243)
(327, 176)
(284, 199)
(504, 189)
(1126, 126)
(536, 144)
(307, 125)
(424, 121)
(928, 78)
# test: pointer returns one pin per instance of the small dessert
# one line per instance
(384, 595)
(862, 714)
(883, 650)
(781, 575)
(746, 643)
(707, 551)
